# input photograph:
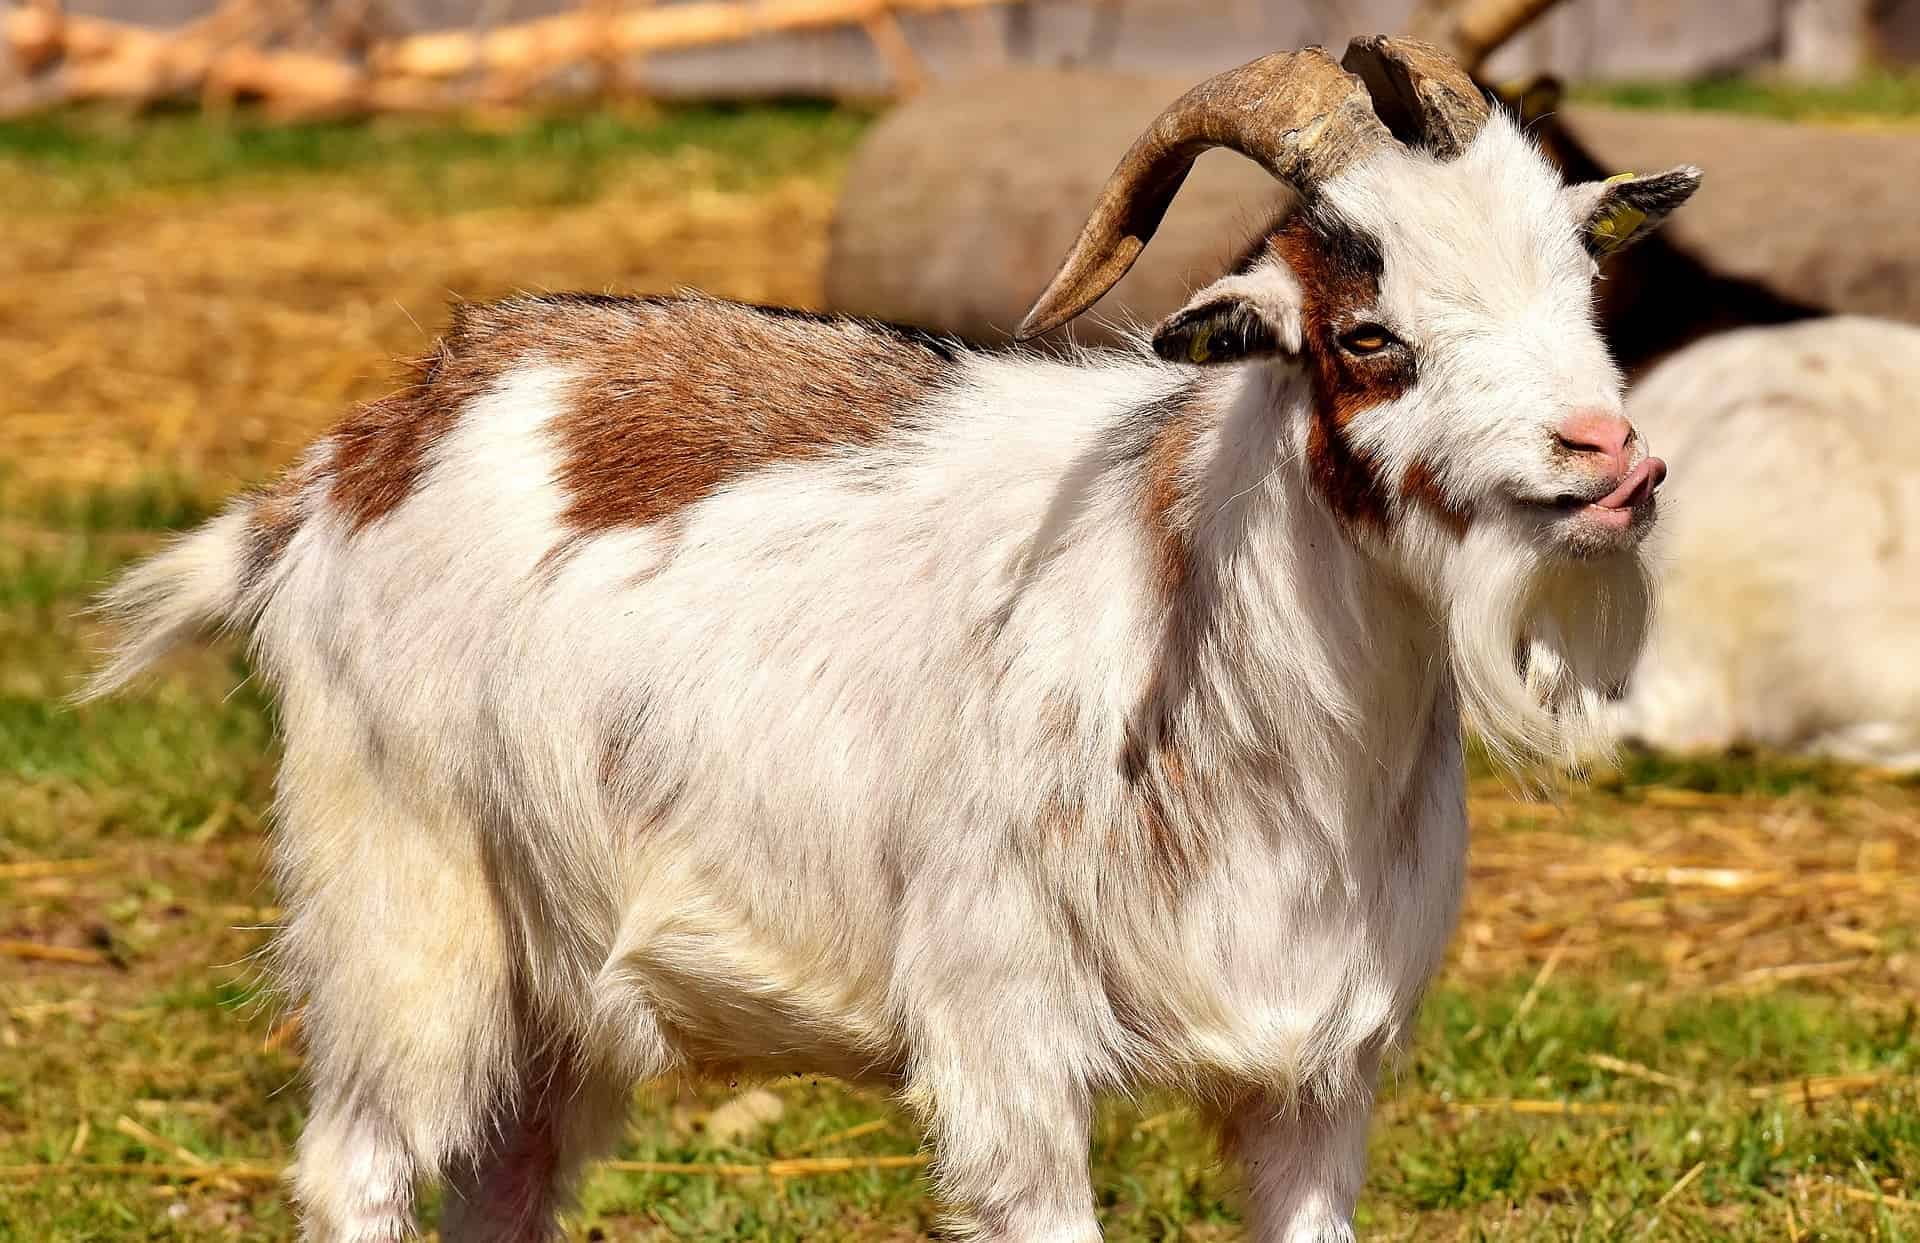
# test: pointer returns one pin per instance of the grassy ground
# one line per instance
(1682, 1004)
(1878, 97)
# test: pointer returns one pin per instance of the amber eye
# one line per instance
(1366, 339)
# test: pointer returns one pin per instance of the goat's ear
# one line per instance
(1251, 314)
(1619, 211)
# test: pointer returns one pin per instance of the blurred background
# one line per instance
(1683, 1001)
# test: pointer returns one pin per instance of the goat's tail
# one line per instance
(197, 583)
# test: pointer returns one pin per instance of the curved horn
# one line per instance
(1425, 98)
(1297, 114)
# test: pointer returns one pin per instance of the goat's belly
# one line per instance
(736, 987)
(724, 1014)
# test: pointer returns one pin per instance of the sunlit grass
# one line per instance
(85, 157)
(1886, 95)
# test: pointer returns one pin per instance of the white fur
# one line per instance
(867, 812)
(1789, 557)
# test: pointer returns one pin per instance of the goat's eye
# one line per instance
(1366, 339)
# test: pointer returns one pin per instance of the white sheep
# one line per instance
(1789, 556)
(675, 685)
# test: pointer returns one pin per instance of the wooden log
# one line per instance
(291, 83)
(35, 34)
(551, 42)
(220, 58)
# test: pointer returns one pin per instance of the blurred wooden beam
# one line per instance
(571, 37)
(883, 28)
(1472, 30)
(229, 54)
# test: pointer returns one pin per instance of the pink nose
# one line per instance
(1608, 436)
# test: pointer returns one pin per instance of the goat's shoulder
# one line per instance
(664, 398)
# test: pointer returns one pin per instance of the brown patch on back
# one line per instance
(380, 452)
(1339, 275)
(675, 396)
(275, 517)
(681, 394)
(1419, 487)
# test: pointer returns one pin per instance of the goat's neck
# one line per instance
(1309, 646)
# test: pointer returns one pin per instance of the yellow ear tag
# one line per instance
(1197, 348)
(1613, 229)
(1617, 178)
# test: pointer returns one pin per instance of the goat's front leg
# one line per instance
(999, 1069)
(1010, 1151)
(1304, 1165)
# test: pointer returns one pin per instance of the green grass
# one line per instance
(171, 781)
(1886, 95)
(1733, 772)
(87, 157)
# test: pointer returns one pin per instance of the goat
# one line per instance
(679, 686)
(1786, 559)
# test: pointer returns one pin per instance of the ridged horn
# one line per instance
(1297, 114)
(1425, 98)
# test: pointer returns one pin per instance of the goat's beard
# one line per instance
(1541, 644)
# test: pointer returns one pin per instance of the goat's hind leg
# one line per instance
(514, 1188)
(394, 940)
(1304, 1163)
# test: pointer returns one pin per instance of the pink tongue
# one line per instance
(1641, 481)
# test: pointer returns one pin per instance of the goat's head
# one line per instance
(1433, 292)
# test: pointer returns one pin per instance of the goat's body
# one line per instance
(1788, 563)
(762, 785)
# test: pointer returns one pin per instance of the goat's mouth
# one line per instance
(1626, 507)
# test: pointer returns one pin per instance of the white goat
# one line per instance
(676, 685)
(1787, 560)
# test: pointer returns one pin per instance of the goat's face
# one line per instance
(1441, 313)
(1464, 416)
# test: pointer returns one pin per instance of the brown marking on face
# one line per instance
(1419, 487)
(1339, 274)
(678, 395)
